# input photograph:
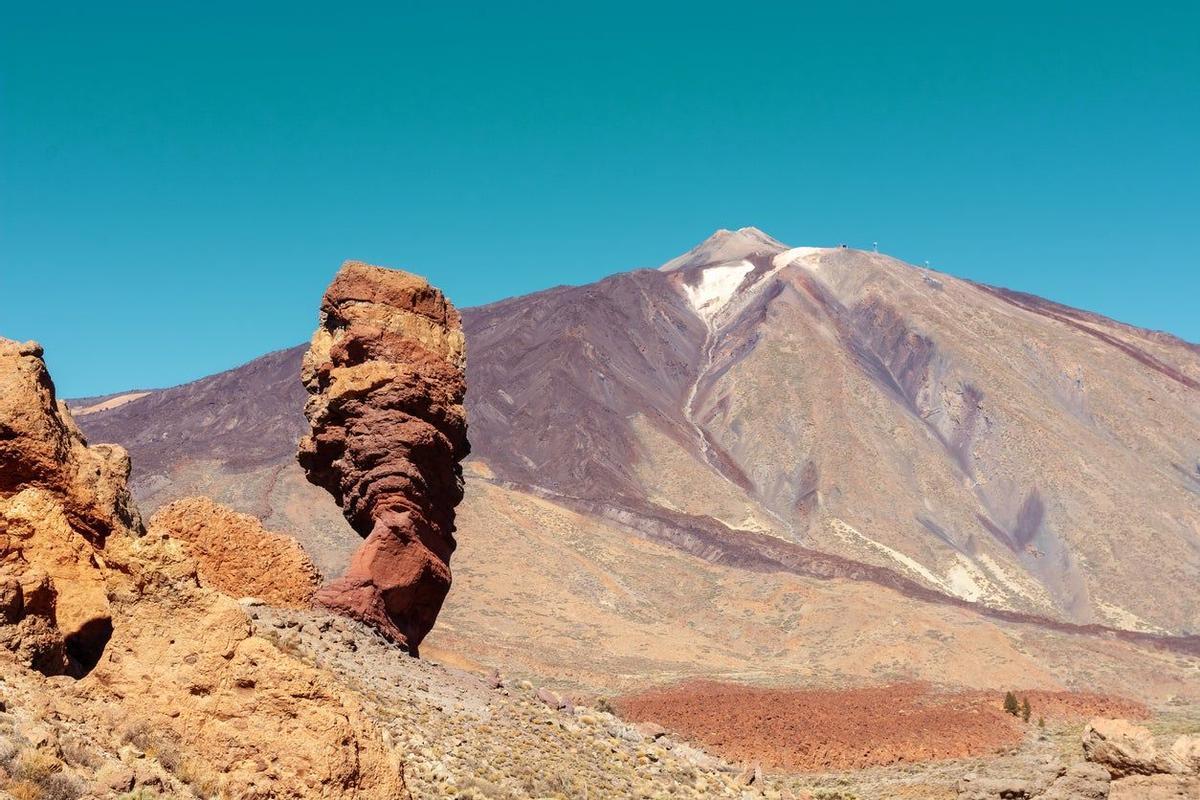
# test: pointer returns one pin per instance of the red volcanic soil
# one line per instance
(814, 730)
(1082, 705)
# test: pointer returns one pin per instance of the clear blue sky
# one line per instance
(180, 181)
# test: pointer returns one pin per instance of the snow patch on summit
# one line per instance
(716, 288)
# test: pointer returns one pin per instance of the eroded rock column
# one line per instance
(386, 373)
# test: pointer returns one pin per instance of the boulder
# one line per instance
(549, 698)
(651, 730)
(41, 448)
(388, 430)
(12, 601)
(234, 554)
(975, 787)
(1186, 753)
(61, 502)
(114, 777)
(1125, 749)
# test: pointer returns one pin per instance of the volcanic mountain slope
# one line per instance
(989, 445)
(823, 412)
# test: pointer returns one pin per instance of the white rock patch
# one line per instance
(788, 256)
(716, 288)
(965, 580)
(851, 535)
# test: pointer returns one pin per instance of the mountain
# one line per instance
(985, 444)
(767, 461)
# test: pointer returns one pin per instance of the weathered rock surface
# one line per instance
(1038, 781)
(1082, 781)
(189, 674)
(1141, 767)
(385, 371)
(1186, 752)
(973, 787)
(41, 448)
(1125, 749)
(171, 666)
(60, 502)
(1156, 787)
(236, 555)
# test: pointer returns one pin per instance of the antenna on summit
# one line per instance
(875, 246)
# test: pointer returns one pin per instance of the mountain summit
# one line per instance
(726, 246)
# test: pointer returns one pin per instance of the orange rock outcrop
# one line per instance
(84, 591)
(234, 554)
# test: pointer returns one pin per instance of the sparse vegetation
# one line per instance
(154, 744)
(164, 748)
(38, 775)
(196, 775)
(834, 794)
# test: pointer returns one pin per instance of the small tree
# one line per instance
(1025, 709)
(1041, 722)
(1011, 705)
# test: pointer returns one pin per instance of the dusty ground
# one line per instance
(465, 736)
(814, 730)
(600, 609)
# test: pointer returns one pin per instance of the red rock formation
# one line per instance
(385, 371)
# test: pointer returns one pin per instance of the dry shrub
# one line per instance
(77, 752)
(141, 793)
(38, 775)
(35, 766)
(159, 745)
(24, 790)
(198, 777)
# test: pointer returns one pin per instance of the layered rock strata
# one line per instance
(385, 371)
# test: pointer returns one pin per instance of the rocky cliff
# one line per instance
(162, 662)
(61, 503)
(385, 371)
